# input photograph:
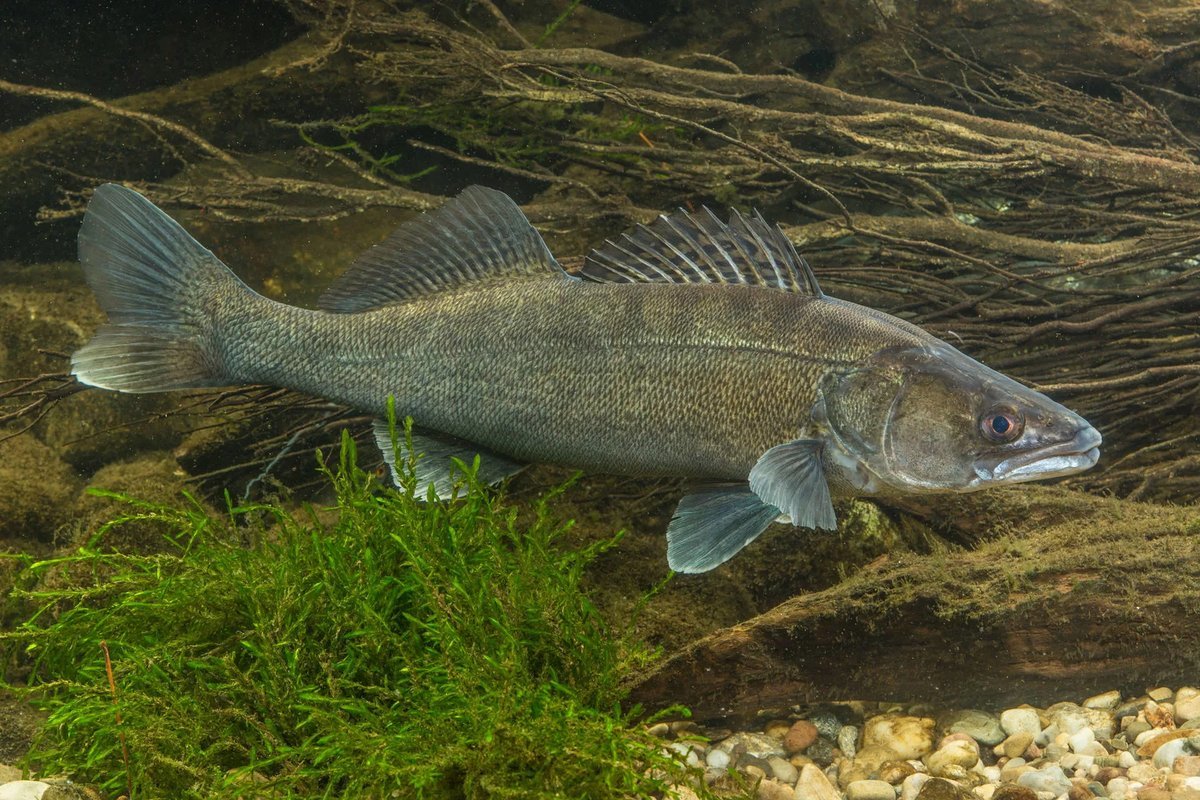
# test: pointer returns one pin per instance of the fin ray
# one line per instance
(480, 235)
(712, 523)
(700, 248)
(436, 453)
(791, 477)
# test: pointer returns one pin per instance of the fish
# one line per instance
(691, 347)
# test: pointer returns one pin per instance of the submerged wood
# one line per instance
(1081, 595)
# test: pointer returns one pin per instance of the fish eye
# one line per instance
(1002, 424)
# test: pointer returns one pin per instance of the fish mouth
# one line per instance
(1066, 458)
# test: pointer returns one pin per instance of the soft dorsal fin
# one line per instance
(699, 248)
(480, 235)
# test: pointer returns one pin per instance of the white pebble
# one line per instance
(1021, 720)
(912, 785)
(1146, 736)
(783, 770)
(1166, 754)
(1081, 739)
(1126, 759)
(992, 774)
(870, 790)
(23, 790)
(718, 759)
(1104, 702)
(1117, 788)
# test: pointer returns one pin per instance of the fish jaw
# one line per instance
(1066, 458)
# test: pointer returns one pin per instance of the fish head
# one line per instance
(928, 418)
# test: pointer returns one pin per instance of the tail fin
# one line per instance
(152, 279)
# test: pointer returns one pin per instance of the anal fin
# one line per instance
(713, 523)
(436, 456)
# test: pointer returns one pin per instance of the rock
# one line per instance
(1143, 772)
(717, 758)
(1136, 729)
(1151, 745)
(1014, 769)
(813, 785)
(1077, 792)
(798, 737)
(1117, 788)
(979, 725)
(912, 786)
(1153, 793)
(1106, 774)
(942, 789)
(870, 790)
(1186, 765)
(1015, 745)
(777, 728)
(1021, 720)
(873, 757)
(1012, 791)
(1159, 715)
(783, 770)
(847, 740)
(894, 772)
(907, 737)
(754, 772)
(959, 754)
(1187, 704)
(1108, 701)
(38, 490)
(827, 724)
(821, 751)
(1050, 778)
(1161, 694)
(1081, 739)
(660, 730)
(23, 790)
(773, 790)
(1070, 718)
(758, 745)
(1164, 757)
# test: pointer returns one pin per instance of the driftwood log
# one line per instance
(1080, 595)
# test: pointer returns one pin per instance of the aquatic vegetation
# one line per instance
(428, 649)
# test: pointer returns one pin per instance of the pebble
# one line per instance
(870, 790)
(773, 790)
(777, 728)
(1187, 704)
(1160, 694)
(979, 725)
(894, 772)
(959, 754)
(800, 736)
(1070, 718)
(23, 790)
(1050, 778)
(1015, 745)
(942, 789)
(907, 737)
(1159, 715)
(717, 758)
(783, 770)
(912, 785)
(1108, 701)
(847, 740)
(827, 723)
(1164, 757)
(813, 785)
(756, 744)
(1187, 765)
(821, 751)
(1021, 720)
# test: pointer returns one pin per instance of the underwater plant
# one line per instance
(395, 648)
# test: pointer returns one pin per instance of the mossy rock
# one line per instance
(38, 488)
(154, 479)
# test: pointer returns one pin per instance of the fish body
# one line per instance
(691, 348)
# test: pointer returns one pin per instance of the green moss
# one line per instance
(405, 649)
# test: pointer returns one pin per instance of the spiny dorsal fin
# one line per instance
(481, 235)
(699, 248)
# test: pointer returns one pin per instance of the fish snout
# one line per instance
(1068, 457)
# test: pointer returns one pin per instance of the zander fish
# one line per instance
(691, 347)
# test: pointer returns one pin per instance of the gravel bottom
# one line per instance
(1143, 748)
(1107, 746)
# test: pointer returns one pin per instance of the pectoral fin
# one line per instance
(436, 454)
(712, 523)
(791, 477)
